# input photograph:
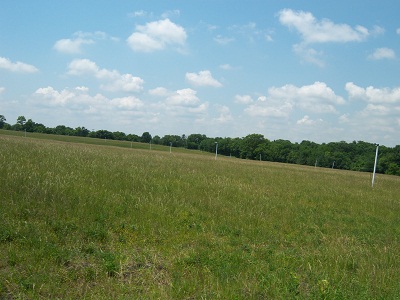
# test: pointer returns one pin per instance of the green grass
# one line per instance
(97, 221)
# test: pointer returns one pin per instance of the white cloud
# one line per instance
(114, 80)
(223, 40)
(124, 82)
(18, 66)
(344, 118)
(159, 91)
(373, 95)
(243, 99)
(203, 78)
(2, 89)
(224, 114)
(55, 97)
(184, 97)
(378, 119)
(170, 13)
(138, 13)
(78, 99)
(307, 121)
(377, 109)
(130, 103)
(270, 108)
(71, 46)
(251, 32)
(321, 31)
(226, 67)
(314, 31)
(309, 54)
(398, 30)
(279, 102)
(382, 53)
(157, 36)
(80, 38)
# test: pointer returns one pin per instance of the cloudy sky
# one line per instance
(298, 70)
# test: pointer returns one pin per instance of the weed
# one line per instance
(95, 221)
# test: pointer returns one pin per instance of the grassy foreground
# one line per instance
(101, 222)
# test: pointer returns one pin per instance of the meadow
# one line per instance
(121, 221)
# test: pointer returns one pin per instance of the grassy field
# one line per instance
(104, 222)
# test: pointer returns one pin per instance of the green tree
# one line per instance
(81, 131)
(194, 140)
(2, 121)
(146, 137)
(156, 140)
(21, 120)
(250, 144)
(118, 135)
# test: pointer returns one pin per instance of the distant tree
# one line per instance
(29, 125)
(194, 140)
(102, 134)
(64, 130)
(156, 140)
(146, 137)
(20, 123)
(38, 127)
(81, 131)
(208, 145)
(249, 145)
(118, 135)
(2, 121)
(21, 120)
(176, 140)
(133, 137)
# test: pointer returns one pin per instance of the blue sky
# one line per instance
(298, 70)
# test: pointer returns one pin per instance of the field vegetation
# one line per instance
(354, 156)
(106, 221)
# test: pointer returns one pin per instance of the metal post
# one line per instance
(170, 146)
(376, 160)
(216, 150)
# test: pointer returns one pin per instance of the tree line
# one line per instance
(356, 156)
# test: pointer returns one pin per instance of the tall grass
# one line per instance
(93, 221)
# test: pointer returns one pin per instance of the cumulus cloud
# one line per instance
(74, 45)
(183, 103)
(279, 102)
(80, 100)
(372, 94)
(314, 31)
(224, 114)
(307, 121)
(55, 97)
(321, 31)
(159, 91)
(71, 46)
(114, 81)
(184, 97)
(157, 36)
(378, 118)
(243, 99)
(203, 78)
(382, 53)
(309, 54)
(129, 103)
(18, 67)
